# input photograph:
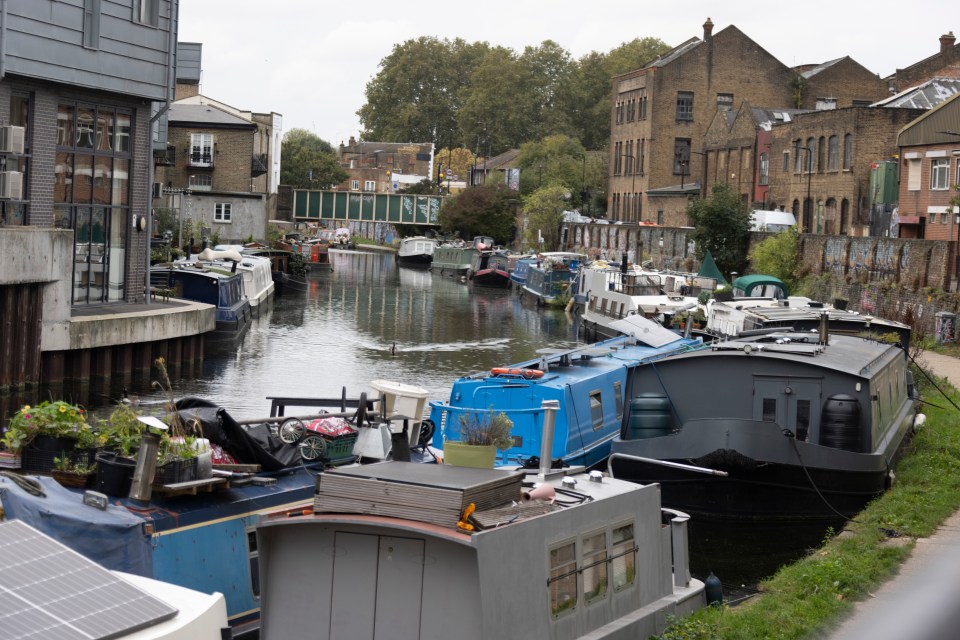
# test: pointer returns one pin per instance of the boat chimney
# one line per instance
(141, 487)
(623, 263)
(824, 328)
(550, 408)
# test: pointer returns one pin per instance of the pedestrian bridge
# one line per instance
(347, 206)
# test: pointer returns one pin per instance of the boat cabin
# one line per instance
(759, 286)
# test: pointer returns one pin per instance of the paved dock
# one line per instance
(922, 601)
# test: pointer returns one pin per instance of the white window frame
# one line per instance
(223, 212)
(369, 185)
(200, 182)
(939, 174)
(355, 185)
(201, 146)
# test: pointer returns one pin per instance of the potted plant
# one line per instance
(481, 435)
(71, 472)
(48, 430)
(120, 434)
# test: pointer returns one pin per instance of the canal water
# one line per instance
(369, 319)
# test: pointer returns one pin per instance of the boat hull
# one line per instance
(416, 260)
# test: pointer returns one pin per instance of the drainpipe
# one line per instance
(171, 54)
(3, 39)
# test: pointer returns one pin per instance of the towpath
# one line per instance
(921, 602)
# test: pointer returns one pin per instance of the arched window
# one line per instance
(811, 154)
(830, 216)
(797, 161)
(821, 155)
(833, 160)
(844, 216)
(847, 152)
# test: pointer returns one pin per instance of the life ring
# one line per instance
(528, 374)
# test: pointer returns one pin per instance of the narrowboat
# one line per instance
(549, 279)
(613, 293)
(489, 268)
(413, 552)
(218, 287)
(416, 251)
(785, 427)
(256, 271)
(200, 534)
(286, 274)
(519, 268)
(589, 383)
(453, 258)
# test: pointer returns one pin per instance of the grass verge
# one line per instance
(810, 597)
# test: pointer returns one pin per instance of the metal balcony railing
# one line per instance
(201, 160)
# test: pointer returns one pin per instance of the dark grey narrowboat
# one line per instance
(781, 427)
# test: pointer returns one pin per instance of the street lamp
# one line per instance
(809, 167)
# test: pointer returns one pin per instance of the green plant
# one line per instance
(69, 465)
(58, 419)
(215, 238)
(121, 432)
(486, 429)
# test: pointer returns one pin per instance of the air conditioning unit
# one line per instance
(11, 185)
(11, 139)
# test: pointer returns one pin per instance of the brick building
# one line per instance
(929, 174)
(661, 112)
(384, 167)
(944, 64)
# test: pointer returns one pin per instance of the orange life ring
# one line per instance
(528, 374)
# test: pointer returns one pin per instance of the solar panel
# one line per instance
(49, 592)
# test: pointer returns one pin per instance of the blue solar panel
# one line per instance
(49, 592)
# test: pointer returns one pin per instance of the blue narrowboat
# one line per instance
(520, 268)
(220, 288)
(588, 382)
(550, 278)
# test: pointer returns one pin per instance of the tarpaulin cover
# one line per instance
(250, 445)
(114, 539)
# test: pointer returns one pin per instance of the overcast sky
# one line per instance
(310, 60)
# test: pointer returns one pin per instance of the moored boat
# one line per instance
(489, 268)
(416, 251)
(211, 285)
(256, 271)
(588, 382)
(549, 279)
(420, 550)
(783, 427)
(453, 258)
(288, 269)
(519, 269)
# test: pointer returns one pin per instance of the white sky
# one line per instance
(310, 60)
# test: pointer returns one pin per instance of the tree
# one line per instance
(722, 227)
(460, 160)
(557, 160)
(544, 211)
(308, 162)
(425, 187)
(486, 210)
(779, 256)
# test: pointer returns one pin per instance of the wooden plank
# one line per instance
(238, 468)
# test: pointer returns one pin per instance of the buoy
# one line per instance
(713, 589)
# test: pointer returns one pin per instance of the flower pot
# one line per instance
(37, 456)
(114, 474)
(176, 471)
(71, 478)
(469, 455)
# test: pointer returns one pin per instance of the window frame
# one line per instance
(91, 24)
(684, 111)
(939, 174)
(847, 152)
(833, 153)
(369, 185)
(201, 149)
(562, 567)
(764, 173)
(223, 212)
(146, 12)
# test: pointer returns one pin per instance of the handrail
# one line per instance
(664, 463)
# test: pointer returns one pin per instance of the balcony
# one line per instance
(201, 160)
(258, 165)
(165, 157)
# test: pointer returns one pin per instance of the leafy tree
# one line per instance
(425, 187)
(722, 227)
(486, 210)
(461, 160)
(779, 256)
(544, 211)
(308, 162)
(554, 160)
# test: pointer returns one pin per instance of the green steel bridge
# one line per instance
(349, 206)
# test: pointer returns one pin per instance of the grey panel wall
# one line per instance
(44, 40)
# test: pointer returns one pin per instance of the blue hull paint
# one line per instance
(589, 383)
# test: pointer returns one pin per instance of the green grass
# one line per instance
(810, 597)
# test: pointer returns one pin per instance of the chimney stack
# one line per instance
(946, 42)
(708, 29)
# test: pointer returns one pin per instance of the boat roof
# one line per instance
(845, 354)
(748, 282)
(210, 271)
(769, 310)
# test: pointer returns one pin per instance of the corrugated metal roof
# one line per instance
(809, 73)
(925, 96)
(676, 52)
(765, 117)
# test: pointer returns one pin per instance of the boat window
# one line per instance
(596, 409)
(594, 569)
(253, 555)
(769, 410)
(803, 419)
(593, 303)
(603, 307)
(563, 578)
(618, 398)
(623, 557)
